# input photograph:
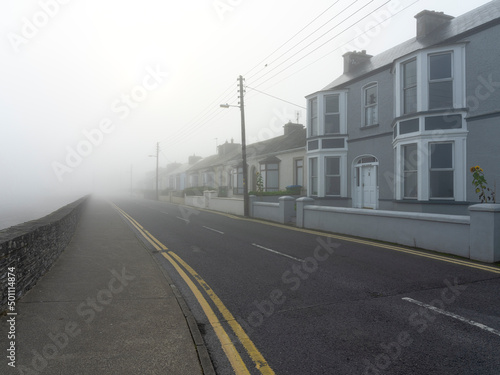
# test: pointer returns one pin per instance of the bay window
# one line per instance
(270, 176)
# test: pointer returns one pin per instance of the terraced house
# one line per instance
(400, 130)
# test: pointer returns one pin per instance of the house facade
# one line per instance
(400, 130)
(279, 160)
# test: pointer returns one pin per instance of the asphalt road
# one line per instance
(313, 304)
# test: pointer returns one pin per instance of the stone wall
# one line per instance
(32, 247)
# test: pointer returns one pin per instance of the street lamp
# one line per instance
(243, 147)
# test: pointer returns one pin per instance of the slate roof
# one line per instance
(468, 23)
(293, 140)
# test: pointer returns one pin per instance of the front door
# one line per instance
(368, 176)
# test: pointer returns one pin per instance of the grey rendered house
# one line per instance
(400, 130)
(279, 160)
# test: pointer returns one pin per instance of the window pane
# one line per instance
(312, 145)
(272, 166)
(314, 127)
(332, 185)
(441, 184)
(410, 155)
(409, 126)
(410, 100)
(313, 170)
(371, 95)
(332, 104)
(332, 166)
(299, 172)
(272, 180)
(410, 74)
(313, 103)
(440, 66)
(314, 107)
(440, 94)
(371, 116)
(332, 124)
(443, 122)
(410, 167)
(333, 143)
(410, 185)
(441, 155)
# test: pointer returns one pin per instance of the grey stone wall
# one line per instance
(33, 247)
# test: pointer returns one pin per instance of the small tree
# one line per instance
(260, 183)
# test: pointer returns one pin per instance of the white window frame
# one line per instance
(429, 81)
(264, 171)
(422, 61)
(325, 113)
(334, 175)
(313, 174)
(452, 169)
(365, 106)
(459, 158)
(313, 131)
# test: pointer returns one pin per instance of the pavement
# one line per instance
(105, 307)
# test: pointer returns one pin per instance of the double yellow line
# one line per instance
(228, 346)
(420, 253)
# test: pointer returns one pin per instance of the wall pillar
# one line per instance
(301, 203)
(485, 232)
(287, 209)
(251, 200)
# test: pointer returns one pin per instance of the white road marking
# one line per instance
(164, 212)
(455, 316)
(181, 218)
(213, 230)
(277, 252)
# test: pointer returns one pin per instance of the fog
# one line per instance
(87, 88)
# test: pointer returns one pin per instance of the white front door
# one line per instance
(368, 176)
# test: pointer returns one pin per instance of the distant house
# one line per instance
(400, 130)
(279, 160)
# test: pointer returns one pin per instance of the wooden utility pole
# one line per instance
(244, 150)
(157, 161)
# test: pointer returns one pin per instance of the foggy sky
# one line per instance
(89, 87)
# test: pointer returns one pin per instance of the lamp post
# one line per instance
(243, 147)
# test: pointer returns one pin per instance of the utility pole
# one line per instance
(157, 156)
(244, 151)
(157, 161)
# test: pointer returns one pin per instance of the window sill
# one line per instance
(370, 126)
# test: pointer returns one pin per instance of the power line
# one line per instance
(275, 97)
(322, 35)
(281, 46)
(327, 22)
(321, 45)
(208, 114)
(346, 43)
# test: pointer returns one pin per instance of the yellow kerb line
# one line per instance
(148, 236)
(367, 242)
(227, 345)
(260, 363)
